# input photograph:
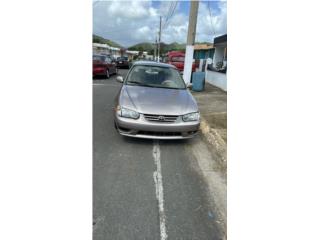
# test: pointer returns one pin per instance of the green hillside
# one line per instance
(164, 47)
(98, 39)
(144, 46)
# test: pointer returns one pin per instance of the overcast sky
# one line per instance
(131, 22)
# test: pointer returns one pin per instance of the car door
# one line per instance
(110, 65)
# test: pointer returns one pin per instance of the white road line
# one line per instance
(157, 176)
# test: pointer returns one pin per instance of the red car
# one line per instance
(176, 59)
(103, 66)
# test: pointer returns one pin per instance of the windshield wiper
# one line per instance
(172, 88)
(166, 87)
(152, 86)
(139, 83)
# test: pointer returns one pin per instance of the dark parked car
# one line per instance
(122, 62)
(103, 66)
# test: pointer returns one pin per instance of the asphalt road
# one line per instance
(125, 202)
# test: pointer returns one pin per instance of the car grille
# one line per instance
(160, 118)
(160, 134)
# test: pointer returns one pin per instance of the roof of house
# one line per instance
(102, 45)
(132, 52)
(203, 46)
(220, 39)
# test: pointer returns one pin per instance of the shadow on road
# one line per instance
(137, 141)
(131, 140)
(173, 142)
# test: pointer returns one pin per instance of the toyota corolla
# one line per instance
(154, 102)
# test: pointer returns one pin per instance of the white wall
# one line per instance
(99, 50)
(218, 55)
(217, 79)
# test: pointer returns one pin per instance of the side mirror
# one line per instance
(189, 85)
(119, 79)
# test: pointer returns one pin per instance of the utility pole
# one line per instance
(193, 14)
(159, 41)
(155, 50)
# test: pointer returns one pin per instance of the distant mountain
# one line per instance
(144, 46)
(173, 47)
(164, 47)
(98, 39)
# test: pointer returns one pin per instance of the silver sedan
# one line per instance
(154, 102)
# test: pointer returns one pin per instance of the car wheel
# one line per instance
(107, 74)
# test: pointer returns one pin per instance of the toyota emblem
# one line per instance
(161, 118)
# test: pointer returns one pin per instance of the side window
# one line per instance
(108, 60)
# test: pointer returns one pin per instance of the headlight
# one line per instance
(127, 113)
(191, 117)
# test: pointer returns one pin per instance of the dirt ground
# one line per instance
(213, 108)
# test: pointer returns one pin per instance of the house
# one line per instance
(203, 51)
(115, 52)
(216, 73)
(220, 44)
(131, 54)
(100, 48)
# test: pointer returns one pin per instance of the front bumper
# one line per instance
(142, 128)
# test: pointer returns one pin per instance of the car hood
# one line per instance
(160, 101)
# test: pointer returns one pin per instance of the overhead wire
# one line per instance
(209, 9)
(171, 14)
(168, 12)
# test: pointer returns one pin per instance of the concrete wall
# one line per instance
(98, 50)
(218, 55)
(217, 79)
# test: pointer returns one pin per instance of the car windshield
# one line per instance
(98, 58)
(153, 76)
(177, 59)
(122, 59)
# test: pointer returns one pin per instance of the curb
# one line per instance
(215, 140)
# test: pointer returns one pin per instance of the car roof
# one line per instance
(175, 54)
(153, 63)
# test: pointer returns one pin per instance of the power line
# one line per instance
(213, 31)
(174, 8)
(171, 14)
(169, 11)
